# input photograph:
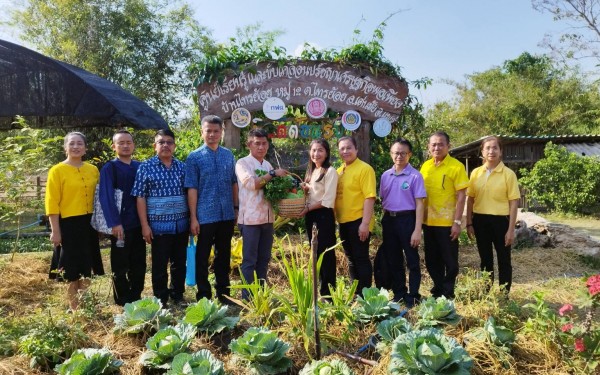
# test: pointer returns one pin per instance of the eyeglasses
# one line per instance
(168, 143)
(401, 154)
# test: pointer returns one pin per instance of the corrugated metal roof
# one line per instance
(561, 139)
(583, 149)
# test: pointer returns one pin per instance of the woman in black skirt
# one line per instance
(320, 184)
(69, 204)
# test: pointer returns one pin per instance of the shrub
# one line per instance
(564, 181)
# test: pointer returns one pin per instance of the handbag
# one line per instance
(98, 220)
(190, 270)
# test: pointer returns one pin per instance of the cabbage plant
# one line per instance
(334, 367)
(435, 311)
(209, 316)
(497, 335)
(89, 362)
(142, 316)
(389, 329)
(166, 344)
(262, 351)
(202, 362)
(374, 305)
(428, 351)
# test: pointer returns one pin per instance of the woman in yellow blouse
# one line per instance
(320, 184)
(493, 198)
(69, 206)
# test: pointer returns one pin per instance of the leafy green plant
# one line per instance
(166, 344)
(202, 362)
(374, 305)
(142, 316)
(51, 341)
(209, 316)
(389, 329)
(262, 351)
(341, 300)
(89, 362)
(323, 367)
(493, 334)
(428, 351)
(11, 329)
(434, 311)
(262, 302)
(547, 184)
(580, 338)
(278, 188)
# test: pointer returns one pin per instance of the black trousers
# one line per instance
(169, 251)
(325, 220)
(218, 234)
(128, 266)
(397, 231)
(491, 229)
(357, 252)
(441, 259)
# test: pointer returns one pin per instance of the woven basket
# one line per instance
(291, 207)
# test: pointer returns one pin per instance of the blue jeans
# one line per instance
(257, 242)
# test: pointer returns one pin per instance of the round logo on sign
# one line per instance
(241, 117)
(274, 108)
(382, 127)
(316, 107)
(351, 120)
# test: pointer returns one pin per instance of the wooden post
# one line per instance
(231, 135)
(363, 141)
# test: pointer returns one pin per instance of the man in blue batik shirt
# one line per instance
(128, 262)
(163, 212)
(213, 202)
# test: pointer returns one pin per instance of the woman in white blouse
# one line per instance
(320, 184)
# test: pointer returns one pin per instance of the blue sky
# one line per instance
(440, 39)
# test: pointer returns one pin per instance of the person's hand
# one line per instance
(363, 231)
(470, 232)
(56, 237)
(194, 227)
(117, 231)
(147, 234)
(281, 172)
(303, 213)
(455, 232)
(415, 238)
(509, 237)
(305, 187)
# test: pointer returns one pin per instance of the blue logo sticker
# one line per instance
(405, 185)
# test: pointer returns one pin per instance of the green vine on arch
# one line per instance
(236, 57)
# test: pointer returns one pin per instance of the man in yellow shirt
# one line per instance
(446, 182)
(354, 203)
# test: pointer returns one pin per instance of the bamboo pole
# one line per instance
(314, 243)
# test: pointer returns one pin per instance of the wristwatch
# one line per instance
(272, 173)
(458, 222)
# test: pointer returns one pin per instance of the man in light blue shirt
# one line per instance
(213, 203)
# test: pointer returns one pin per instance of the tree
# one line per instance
(564, 181)
(145, 46)
(582, 40)
(525, 96)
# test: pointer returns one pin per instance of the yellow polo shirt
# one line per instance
(441, 183)
(356, 182)
(492, 192)
(70, 190)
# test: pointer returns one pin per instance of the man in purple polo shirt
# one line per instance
(402, 192)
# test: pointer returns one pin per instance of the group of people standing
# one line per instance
(166, 200)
